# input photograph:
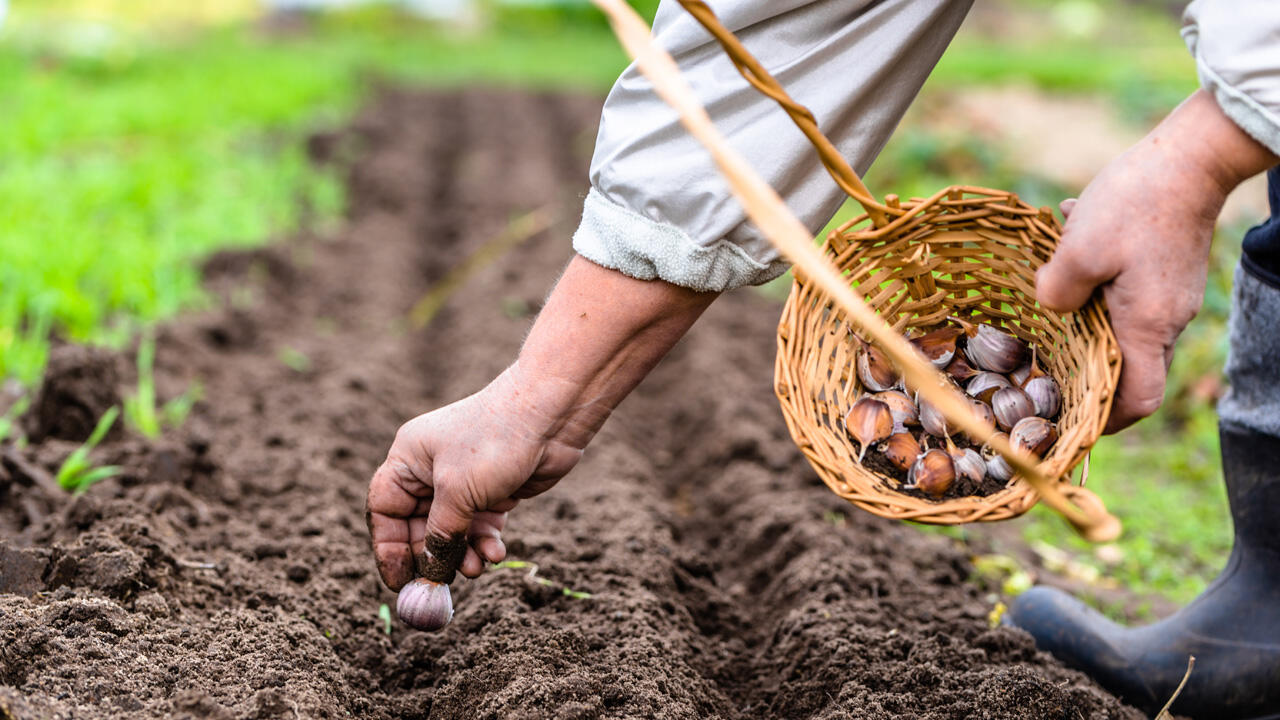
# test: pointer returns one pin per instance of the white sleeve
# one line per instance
(658, 207)
(1237, 49)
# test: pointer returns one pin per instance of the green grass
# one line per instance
(77, 474)
(121, 168)
(1129, 53)
(142, 413)
(1170, 497)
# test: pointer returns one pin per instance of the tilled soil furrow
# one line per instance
(226, 574)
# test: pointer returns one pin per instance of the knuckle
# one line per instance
(461, 489)
(406, 433)
(473, 493)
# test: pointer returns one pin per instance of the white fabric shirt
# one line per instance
(1236, 44)
(658, 207)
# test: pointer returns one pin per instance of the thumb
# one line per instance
(1076, 269)
(448, 522)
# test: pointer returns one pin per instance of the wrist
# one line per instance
(541, 407)
(596, 338)
(1211, 144)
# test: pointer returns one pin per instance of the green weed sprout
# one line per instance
(384, 614)
(140, 407)
(76, 474)
(533, 575)
(294, 359)
(140, 411)
(9, 420)
(175, 412)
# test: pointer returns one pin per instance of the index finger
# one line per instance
(393, 500)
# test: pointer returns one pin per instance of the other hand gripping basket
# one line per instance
(966, 251)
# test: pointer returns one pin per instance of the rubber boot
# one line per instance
(1232, 629)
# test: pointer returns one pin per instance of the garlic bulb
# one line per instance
(984, 413)
(1034, 435)
(960, 369)
(993, 349)
(1010, 405)
(875, 372)
(903, 409)
(933, 473)
(968, 463)
(901, 449)
(997, 466)
(931, 418)
(1045, 395)
(938, 346)
(869, 421)
(985, 384)
(425, 605)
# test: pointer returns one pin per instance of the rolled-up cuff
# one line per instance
(1253, 400)
(1260, 122)
(618, 238)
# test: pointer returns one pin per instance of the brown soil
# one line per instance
(226, 573)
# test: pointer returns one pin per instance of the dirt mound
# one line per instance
(691, 567)
(79, 386)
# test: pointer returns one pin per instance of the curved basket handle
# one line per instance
(843, 173)
(1107, 528)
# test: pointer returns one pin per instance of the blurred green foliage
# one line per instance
(124, 160)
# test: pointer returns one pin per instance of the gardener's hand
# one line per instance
(459, 469)
(1141, 231)
(455, 472)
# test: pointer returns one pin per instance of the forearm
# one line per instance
(597, 337)
(1199, 139)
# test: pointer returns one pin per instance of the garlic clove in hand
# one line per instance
(425, 605)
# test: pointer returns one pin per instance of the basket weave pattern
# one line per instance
(965, 252)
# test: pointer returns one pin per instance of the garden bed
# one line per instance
(226, 573)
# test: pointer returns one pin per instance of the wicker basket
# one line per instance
(965, 251)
